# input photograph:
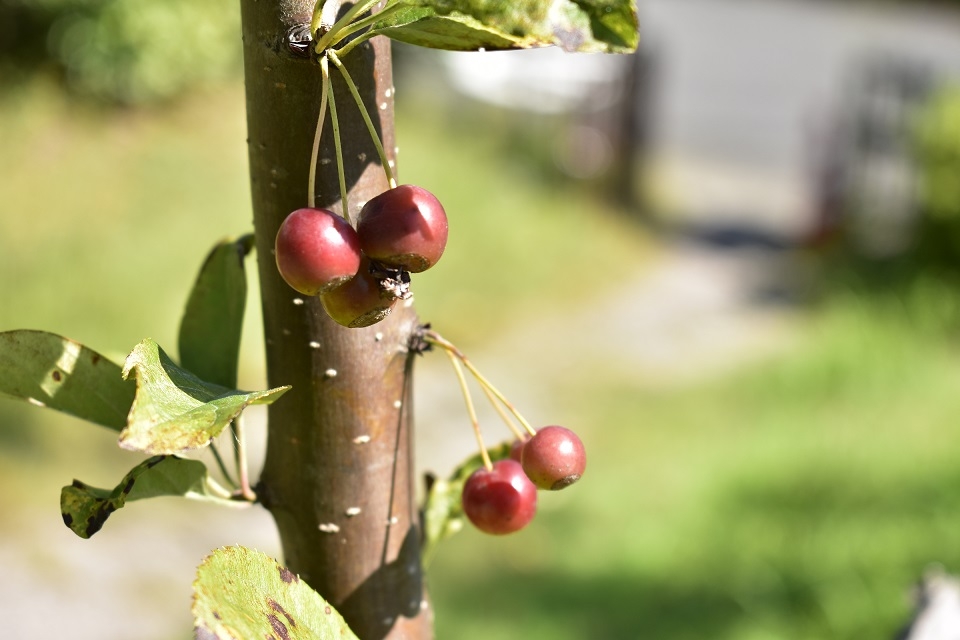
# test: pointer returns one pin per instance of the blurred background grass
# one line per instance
(795, 495)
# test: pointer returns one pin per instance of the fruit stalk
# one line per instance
(337, 140)
(436, 339)
(518, 434)
(474, 421)
(315, 151)
(391, 180)
(341, 438)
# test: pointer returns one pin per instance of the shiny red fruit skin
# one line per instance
(404, 227)
(316, 251)
(516, 449)
(359, 302)
(554, 458)
(501, 500)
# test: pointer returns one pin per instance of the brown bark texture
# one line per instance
(338, 476)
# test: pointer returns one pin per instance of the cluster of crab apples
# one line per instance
(502, 498)
(360, 274)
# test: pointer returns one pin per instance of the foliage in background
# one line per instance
(938, 156)
(796, 499)
(121, 51)
(900, 188)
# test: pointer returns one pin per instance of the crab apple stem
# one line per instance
(366, 118)
(503, 414)
(325, 68)
(312, 178)
(435, 338)
(242, 467)
(502, 398)
(470, 410)
(355, 10)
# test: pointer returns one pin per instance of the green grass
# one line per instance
(107, 217)
(796, 498)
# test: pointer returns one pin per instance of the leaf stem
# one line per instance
(470, 410)
(387, 169)
(324, 16)
(222, 466)
(312, 178)
(214, 487)
(364, 23)
(242, 466)
(347, 48)
(355, 10)
(325, 68)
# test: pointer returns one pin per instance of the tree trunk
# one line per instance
(338, 477)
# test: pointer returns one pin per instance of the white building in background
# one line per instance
(741, 90)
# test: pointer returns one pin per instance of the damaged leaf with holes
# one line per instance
(599, 26)
(174, 410)
(242, 593)
(85, 508)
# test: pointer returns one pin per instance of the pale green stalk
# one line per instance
(391, 180)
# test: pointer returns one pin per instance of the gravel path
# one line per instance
(696, 313)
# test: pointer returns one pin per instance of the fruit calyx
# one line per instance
(359, 302)
(394, 281)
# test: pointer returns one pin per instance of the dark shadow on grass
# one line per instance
(606, 605)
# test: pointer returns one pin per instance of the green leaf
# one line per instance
(175, 410)
(241, 593)
(52, 371)
(209, 341)
(613, 22)
(85, 508)
(608, 26)
(443, 510)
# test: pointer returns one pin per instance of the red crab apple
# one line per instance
(403, 227)
(500, 500)
(516, 448)
(316, 251)
(360, 302)
(554, 458)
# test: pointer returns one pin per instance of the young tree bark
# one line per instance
(338, 477)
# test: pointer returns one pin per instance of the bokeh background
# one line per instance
(729, 262)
